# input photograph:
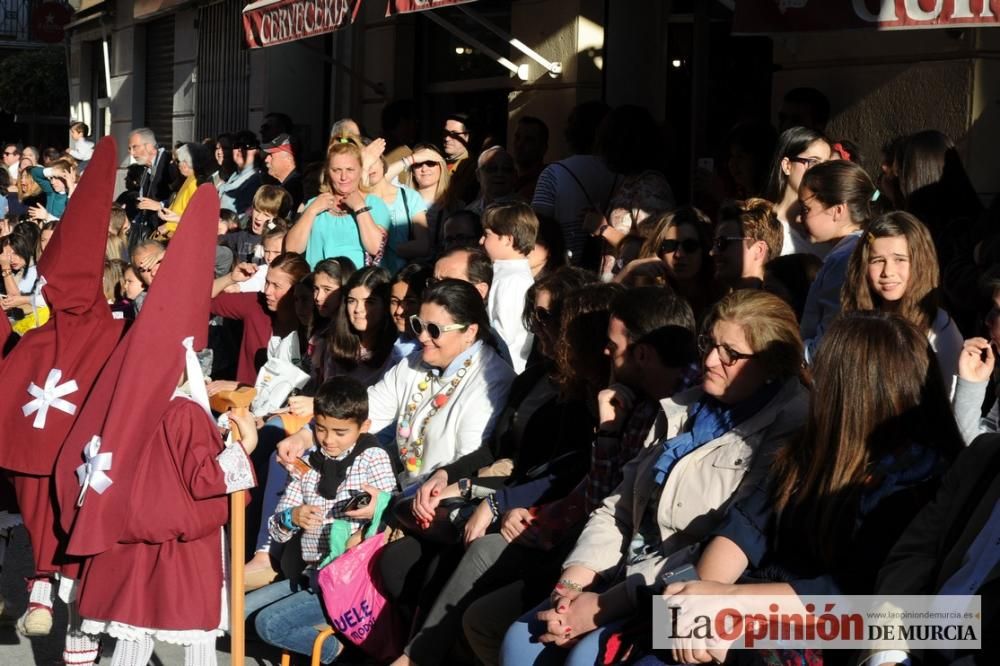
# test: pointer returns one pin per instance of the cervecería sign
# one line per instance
(271, 22)
(771, 16)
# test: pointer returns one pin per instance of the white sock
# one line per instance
(200, 654)
(133, 653)
(81, 649)
(41, 591)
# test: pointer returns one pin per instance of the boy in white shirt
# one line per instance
(79, 148)
(509, 235)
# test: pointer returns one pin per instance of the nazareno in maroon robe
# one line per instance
(65, 355)
(148, 512)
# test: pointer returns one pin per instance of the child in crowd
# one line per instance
(272, 242)
(269, 202)
(346, 461)
(894, 268)
(835, 199)
(80, 149)
(509, 235)
(114, 290)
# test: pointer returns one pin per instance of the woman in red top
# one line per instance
(267, 314)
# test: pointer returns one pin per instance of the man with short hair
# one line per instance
(531, 142)
(472, 265)
(651, 342)
(455, 139)
(11, 158)
(468, 264)
(747, 237)
(283, 168)
(153, 188)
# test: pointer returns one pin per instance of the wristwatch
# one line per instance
(465, 488)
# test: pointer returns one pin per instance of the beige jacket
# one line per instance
(696, 494)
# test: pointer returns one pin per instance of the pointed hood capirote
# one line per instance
(103, 455)
(48, 375)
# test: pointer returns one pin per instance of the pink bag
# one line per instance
(354, 601)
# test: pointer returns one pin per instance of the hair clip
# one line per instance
(343, 139)
(271, 225)
(844, 153)
(870, 237)
(875, 195)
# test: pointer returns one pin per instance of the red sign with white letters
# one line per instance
(776, 16)
(270, 22)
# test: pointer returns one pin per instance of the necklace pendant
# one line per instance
(412, 464)
(404, 432)
(440, 400)
(423, 385)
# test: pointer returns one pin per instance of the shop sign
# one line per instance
(409, 6)
(270, 22)
(776, 16)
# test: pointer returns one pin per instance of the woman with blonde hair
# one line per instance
(342, 220)
(426, 171)
(878, 436)
(719, 439)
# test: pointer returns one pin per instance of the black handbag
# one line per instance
(448, 524)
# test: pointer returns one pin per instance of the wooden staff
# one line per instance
(237, 402)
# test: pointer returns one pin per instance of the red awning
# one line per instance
(409, 6)
(270, 22)
(777, 16)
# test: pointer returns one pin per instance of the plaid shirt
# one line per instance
(372, 467)
(609, 455)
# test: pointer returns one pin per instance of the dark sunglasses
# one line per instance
(543, 315)
(428, 164)
(418, 326)
(690, 246)
(454, 135)
(721, 244)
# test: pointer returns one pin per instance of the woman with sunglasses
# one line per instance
(799, 149)
(539, 451)
(719, 439)
(681, 240)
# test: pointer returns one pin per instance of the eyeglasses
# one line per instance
(807, 162)
(418, 326)
(690, 246)
(428, 164)
(727, 354)
(721, 244)
(447, 134)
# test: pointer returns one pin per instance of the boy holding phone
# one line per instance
(345, 462)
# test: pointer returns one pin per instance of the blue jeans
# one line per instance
(272, 476)
(286, 616)
(521, 645)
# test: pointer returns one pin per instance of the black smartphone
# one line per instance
(678, 575)
(359, 501)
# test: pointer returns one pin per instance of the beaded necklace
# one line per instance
(412, 453)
